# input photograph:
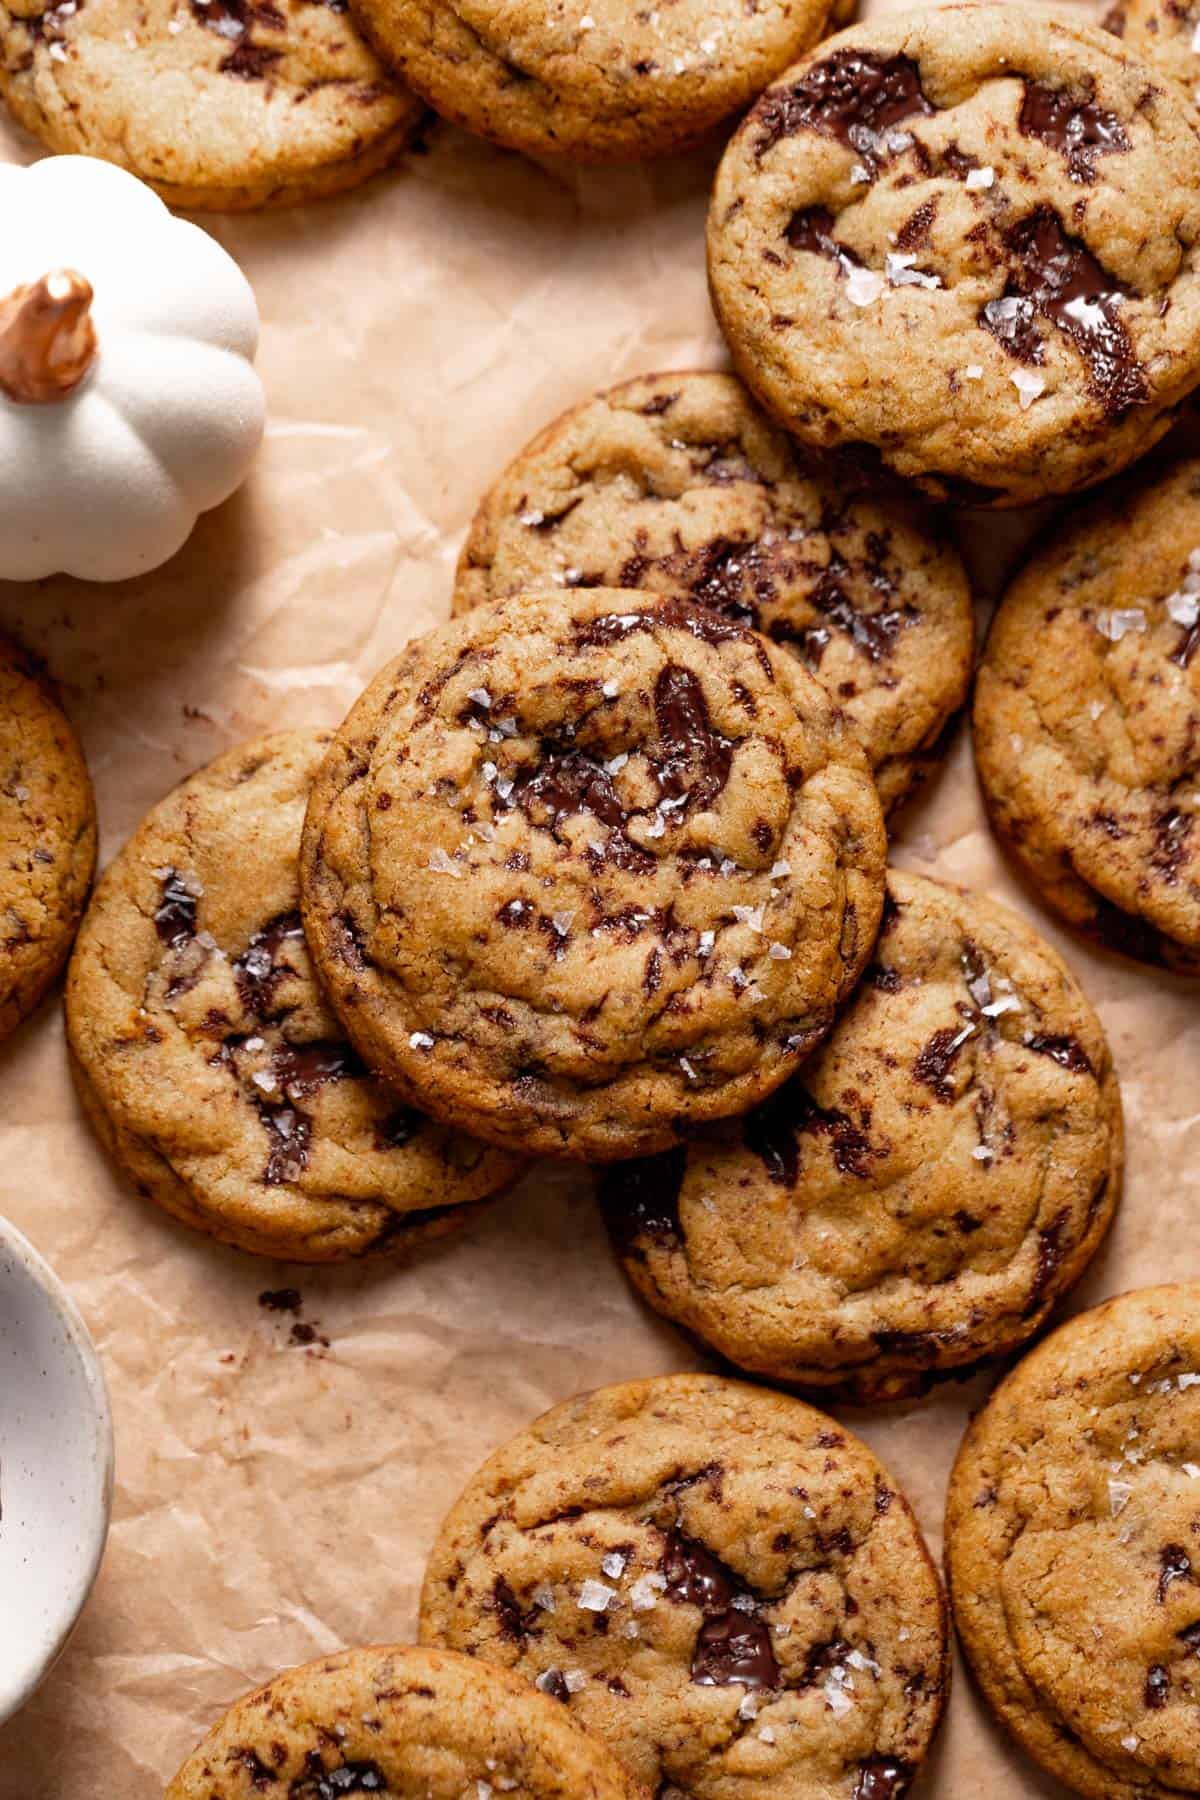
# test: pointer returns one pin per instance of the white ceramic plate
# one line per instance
(56, 1460)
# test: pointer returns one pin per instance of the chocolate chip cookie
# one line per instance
(403, 1724)
(962, 245)
(221, 104)
(719, 1581)
(1087, 718)
(47, 835)
(206, 1054)
(583, 870)
(592, 80)
(1164, 34)
(921, 1193)
(1071, 1528)
(678, 483)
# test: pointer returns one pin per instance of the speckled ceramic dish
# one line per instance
(56, 1460)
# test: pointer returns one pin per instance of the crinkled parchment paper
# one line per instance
(275, 1502)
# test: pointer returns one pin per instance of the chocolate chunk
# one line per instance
(695, 1577)
(260, 1776)
(734, 1648)
(882, 1778)
(1079, 128)
(1157, 1688)
(175, 919)
(258, 970)
(553, 1682)
(1065, 1050)
(853, 95)
(1172, 839)
(228, 18)
(1175, 1565)
(250, 62)
(641, 1198)
(770, 1132)
(1055, 277)
(330, 1784)
(514, 1624)
(811, 229)
(695, 759)
(933, 1065)
(1051, 1249)
(565, 781)
(612, 628)
(290, 1132)
(301, 1069)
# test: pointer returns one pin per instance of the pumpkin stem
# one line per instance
(47, 339)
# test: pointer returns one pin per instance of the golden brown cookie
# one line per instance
(963, 244)
(921, 1193)
(678, 484)
(722, 1583)
(207, 1056)
(584, 870)
(592, 80)
(1071, 1530)
(1087, 718)
(47, 835)
(219, 104)
(402, 1724)
(1164, 34)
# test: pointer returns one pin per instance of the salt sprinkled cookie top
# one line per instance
(400, 1724)
(594, 80)
(208, 1051)
(1087, 718)
(584, 869)
(722, 1583)
(1072, 1527)
(677, 483)
(964, 242)
(221, 103)
(924, 1189)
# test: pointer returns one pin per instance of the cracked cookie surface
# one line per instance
(678, 484)
(921, 1193)
(403, 1724)
(583, 870)
(47, 835)
(207, 1056)
(1087, 718)
(719, 1581)
(593, 80)
(963, 244)
(1071, 1528)
(221, 104)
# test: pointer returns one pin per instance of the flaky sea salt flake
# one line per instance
(1028, 386)
(1116, 622)
(863, 287)
(981, 178)
(595, 1597)
(645, 1591)
(1119, 1495)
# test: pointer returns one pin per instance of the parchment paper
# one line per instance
(276, 1502)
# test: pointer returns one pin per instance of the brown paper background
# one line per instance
(272, 1503)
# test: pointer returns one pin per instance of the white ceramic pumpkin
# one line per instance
(129, 403)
